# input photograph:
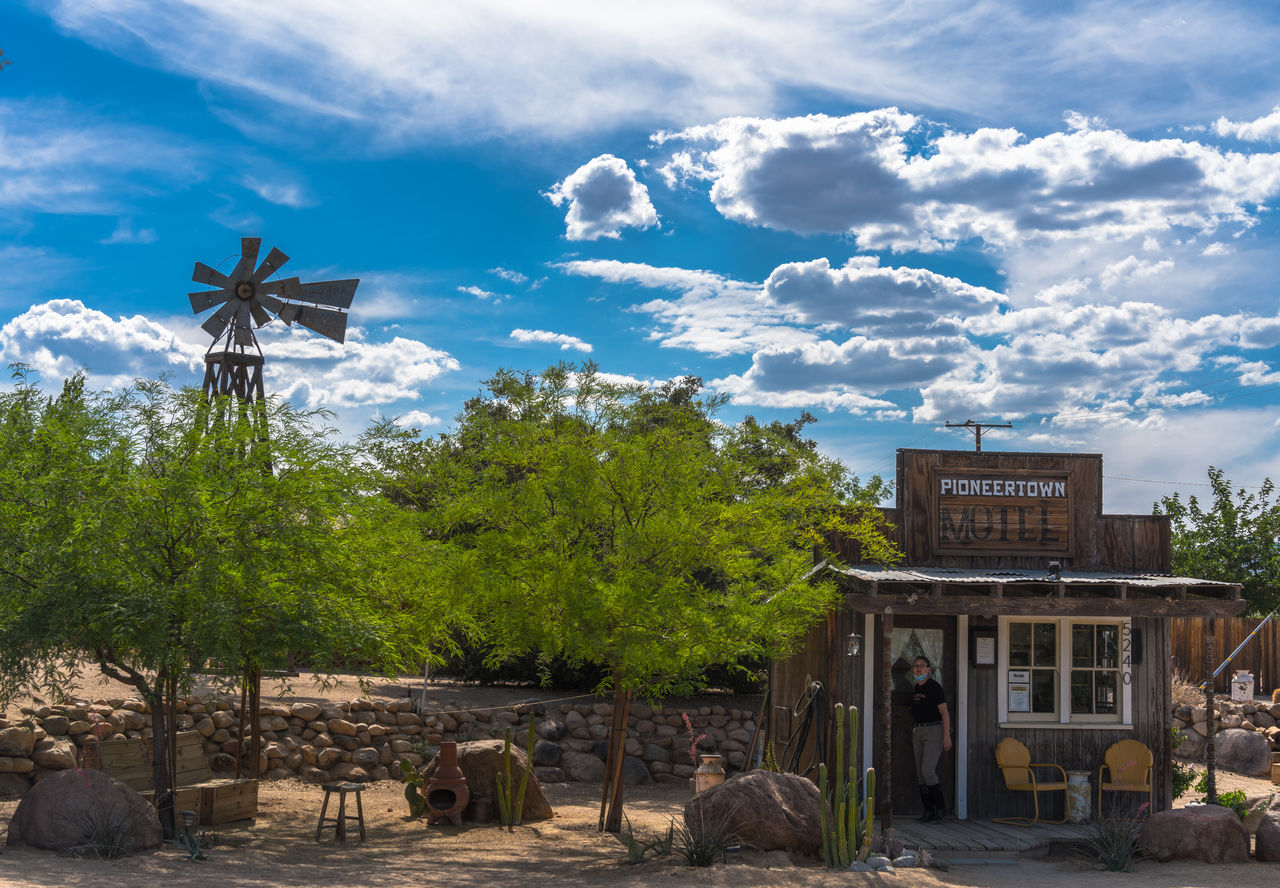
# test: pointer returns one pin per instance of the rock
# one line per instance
(339, 727)
(551, 730)
(1209, 833)
(305, 711)
(546, 754)
(549, 775)
(481, 762)
(56, 755)
(349, 771)
(17, 741)
(1267, 843)
(1191, 747)
(765, 810)
(56, 724)
(1243, 752)
(582, 766)
(634, 772)
(67, 809)
(16, 764)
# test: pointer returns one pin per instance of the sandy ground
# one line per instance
(279, 847)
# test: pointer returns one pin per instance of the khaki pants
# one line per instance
(926, 743)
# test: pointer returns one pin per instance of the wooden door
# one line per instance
(935, 637)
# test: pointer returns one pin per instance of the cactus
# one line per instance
(846, 824)
(511, 809)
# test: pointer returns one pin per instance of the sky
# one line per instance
(893, 215)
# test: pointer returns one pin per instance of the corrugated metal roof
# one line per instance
(876, 573)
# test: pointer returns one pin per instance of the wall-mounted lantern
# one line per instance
(853, 645)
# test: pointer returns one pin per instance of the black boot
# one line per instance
(927, 798)
(937, 803)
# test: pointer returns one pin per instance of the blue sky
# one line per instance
(892, 216)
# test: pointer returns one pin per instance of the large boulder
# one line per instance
(1210, 833)
(582, 766)
(481, 763)
(18, 740)
(77, 808)
(762, 809)
(56, 755)
(1191, 747)
(1266, 845)
(1244, 752)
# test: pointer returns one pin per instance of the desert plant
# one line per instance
(1235, 799)
(1114, 841)
(703, 839)
(660, 845)
(108, 837)
(510, 800)
(413, 789)
(846, 823)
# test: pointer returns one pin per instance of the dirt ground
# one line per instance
(279, 847)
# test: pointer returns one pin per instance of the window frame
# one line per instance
(1062, 716)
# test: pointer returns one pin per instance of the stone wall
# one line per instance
(365, 740)
(1258, 717)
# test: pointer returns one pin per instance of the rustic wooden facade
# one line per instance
(1048, 621)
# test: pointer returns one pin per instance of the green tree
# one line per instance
(1235, 538)
(628, 527)
(161, 536)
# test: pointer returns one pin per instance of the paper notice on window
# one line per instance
(985, 651)
(1019, 697)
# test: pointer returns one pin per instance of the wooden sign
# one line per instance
(1015, 511)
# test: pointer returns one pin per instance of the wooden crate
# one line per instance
(225, 801)
(1275, 767)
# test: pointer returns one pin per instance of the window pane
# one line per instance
(1081, 646)
(1043, 693)
(1105, 699)
(1081, 692)
(1019, 644)
(1108, 646)
(1044, 647)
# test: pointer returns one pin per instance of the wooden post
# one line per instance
(1210, 720)
(884, 782)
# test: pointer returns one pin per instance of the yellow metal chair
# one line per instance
(1126, 767)
(1018, 770)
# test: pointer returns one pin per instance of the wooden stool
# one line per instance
(340, 822)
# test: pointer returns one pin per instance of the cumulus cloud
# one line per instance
(564, 341)
(59, 337)
(1264, 129)
(603, 197)
(513, 277)
(418, 419)
(480, 292)
(890, 181)
(125, 233)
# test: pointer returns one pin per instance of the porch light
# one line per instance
(1055, 571)
(853, 645)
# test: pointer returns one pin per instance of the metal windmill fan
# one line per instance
(247, 301)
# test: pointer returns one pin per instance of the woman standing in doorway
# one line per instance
(930, 737)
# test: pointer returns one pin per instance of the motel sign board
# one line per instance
(1000, 511)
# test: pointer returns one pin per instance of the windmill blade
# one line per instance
(328, 323)
(260, 315)
(336, 293)
(203, 274)
(218, 321)
(269, 265)
(289, 288)
(249, 247)
(201, 302)
(273, 304)
(243, 313)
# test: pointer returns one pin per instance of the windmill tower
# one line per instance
(233, 367)
(233, 364)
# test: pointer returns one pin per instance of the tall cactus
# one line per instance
(843, 841)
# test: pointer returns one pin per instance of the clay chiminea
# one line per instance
(447, 792)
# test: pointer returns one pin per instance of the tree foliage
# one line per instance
(162, 536)
(613, 524)
(1234, 538)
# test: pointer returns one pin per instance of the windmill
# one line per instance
(233, 364)
(247, 300)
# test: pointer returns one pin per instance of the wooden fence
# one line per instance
(1261, 656)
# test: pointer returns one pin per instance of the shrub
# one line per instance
(703, 839)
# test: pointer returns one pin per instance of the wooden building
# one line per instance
(1046, 620)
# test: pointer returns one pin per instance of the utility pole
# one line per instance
(976, 428)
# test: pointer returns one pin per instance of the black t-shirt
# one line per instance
(925, 699)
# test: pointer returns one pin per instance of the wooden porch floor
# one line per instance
(957, 841)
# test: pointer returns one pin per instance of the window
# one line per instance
(1065, 671)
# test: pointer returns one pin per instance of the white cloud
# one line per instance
(481, 293)
(561, 69)
(1132, 268)
(285, 194)
(513, 277)
(1264, 129)
(418, 419)
(603, 197)
(59, 337)
(565, 342)
(125, 233)
(887, 179)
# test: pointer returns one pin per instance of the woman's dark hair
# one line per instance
(922, 657)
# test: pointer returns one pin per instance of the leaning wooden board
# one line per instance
(216, 800)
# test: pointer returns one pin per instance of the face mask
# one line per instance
(922, 678)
